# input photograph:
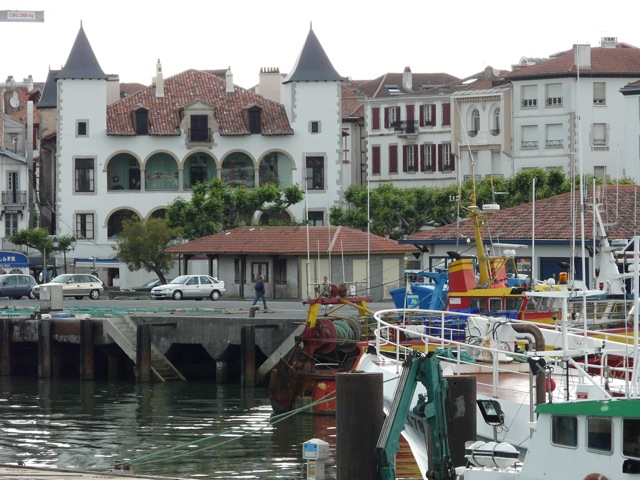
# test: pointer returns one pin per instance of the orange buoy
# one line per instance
(595, 476)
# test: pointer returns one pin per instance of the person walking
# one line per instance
(260, 291)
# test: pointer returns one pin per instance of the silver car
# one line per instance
(76, 285)
(190, 286)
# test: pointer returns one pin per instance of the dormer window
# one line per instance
(142, 121)
(255, 120)
(199, 131)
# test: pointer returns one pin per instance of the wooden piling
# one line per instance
(44, 348)
(86, 349)
(359, 420)
(248, 355)
(5, 347)
(143, 353)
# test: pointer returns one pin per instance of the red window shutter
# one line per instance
(398, 117)
(375, 118)
(422, 157)
(410, 112)
(375, 160)
(422, 107)
(433, 157)
(415, 157)
(433, 114)
(446, 114)
(386, 117)
(393, 159)
(439, 158)
(405, 153)
(452, 162)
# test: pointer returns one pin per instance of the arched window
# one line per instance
(275, 168)
(475, 123)
(117, 219)
(198, 168)
(161, 173)
(123, 173)
(238, 171)
(496, 122)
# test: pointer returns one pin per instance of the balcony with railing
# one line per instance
(473, 133)
(200, 135)
(405, 126)
(529, 144)
(495, 132)
(554, 102)
(553, 143)
(14, 197)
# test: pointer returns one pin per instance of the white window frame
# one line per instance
(599, 93)
(529, 96)
(554, 95)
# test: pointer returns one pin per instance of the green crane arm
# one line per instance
(426, 370)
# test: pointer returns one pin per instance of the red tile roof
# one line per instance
(614, 61)
(196, 85)
(292, 241)
(553, 219)
(376, 88)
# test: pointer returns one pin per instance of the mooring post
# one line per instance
(248, 355)
(143, 353)
(5, 347)
(86, 349)
(359, 421)
(44, 348)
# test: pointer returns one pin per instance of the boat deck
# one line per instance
(15, 472)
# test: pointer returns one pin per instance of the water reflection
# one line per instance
(187, 430)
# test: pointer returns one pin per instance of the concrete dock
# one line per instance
(11, 472)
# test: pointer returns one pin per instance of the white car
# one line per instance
(190, 286)
(75, 285)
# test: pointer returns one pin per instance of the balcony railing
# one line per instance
(553, 143)
(495, 132)
(202, 135)
(473, 133)
(14, 197)
(405, 126)
(554, 101)
(529, 144)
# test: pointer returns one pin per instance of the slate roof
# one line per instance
(313, 64)
(196, 85)
(553, 219)
(82, 62)
(292, 241)
(49, 94)
(623, 60)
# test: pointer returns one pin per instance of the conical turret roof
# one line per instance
(313, 65)
(82, 62)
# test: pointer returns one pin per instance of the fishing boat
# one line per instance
(517, 363)
(328, 344)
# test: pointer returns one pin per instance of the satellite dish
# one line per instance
(14, 102)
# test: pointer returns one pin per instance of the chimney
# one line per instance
(159, 81)
(582, 55)
(229, 77)
(488, 73)
(407, 79)
(269, 83)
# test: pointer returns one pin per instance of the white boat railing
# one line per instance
(398, 332)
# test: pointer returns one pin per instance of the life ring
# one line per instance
(595, 476)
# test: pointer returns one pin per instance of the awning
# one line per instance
(99, 262)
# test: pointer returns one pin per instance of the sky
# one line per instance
(363, 39)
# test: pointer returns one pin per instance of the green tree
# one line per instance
(142, 245)
(397, 211)
(40, 240)
(215, 206)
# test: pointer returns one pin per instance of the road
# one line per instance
(293, 309)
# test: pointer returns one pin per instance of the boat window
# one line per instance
(631, 438)
(599, 432)
(495, 304)
(479, 303)
(513, 304)
(564, 430)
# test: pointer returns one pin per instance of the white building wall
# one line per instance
(576, 116)
(631, 145)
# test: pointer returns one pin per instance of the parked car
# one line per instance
(190, 286)
(75, 285)
(146, 287)
(16, 285)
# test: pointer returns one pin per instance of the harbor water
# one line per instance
(178, 429)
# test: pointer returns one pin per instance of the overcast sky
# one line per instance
(363, 39)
